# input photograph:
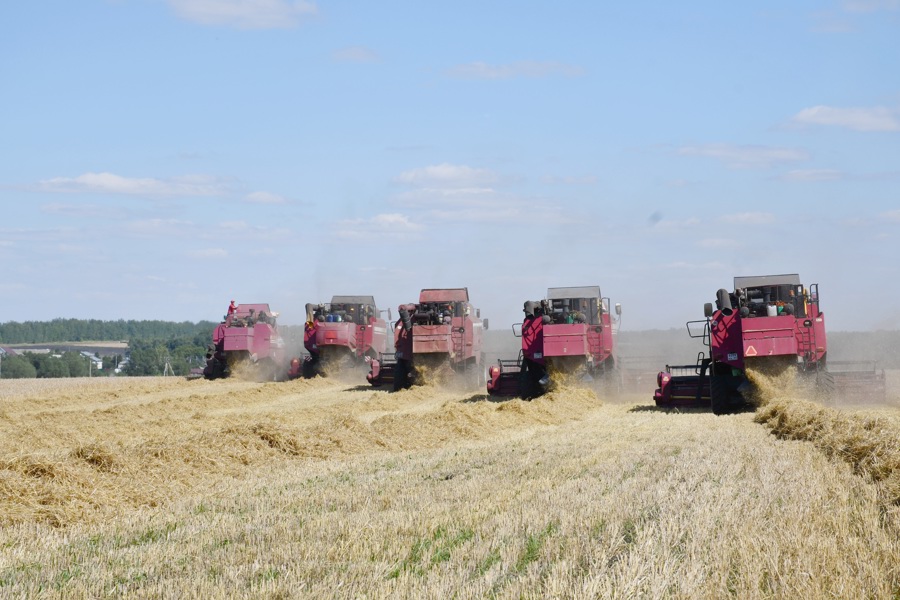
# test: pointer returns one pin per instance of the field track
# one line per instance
(161, 487)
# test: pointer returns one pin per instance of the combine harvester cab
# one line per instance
(345, 333)
(247, 338)
(770, 323)
(571, 333)
(443, 330)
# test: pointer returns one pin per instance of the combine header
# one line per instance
(442, 331)
(248, 336)
(571, 333)
(346, 333)
(771, 322)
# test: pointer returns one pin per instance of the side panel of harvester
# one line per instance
(767, 317)
(572, 331)
(441, 329)
(766, 320)
(344, 333)
(249, 334)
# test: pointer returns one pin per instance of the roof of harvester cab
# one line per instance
(588, 291)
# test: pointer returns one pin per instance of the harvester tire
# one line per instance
(724, 397)
(310, 368)
(401, 375)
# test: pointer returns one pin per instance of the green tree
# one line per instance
(17, 367)
(52, 366)
(146, 357)
(76, 363)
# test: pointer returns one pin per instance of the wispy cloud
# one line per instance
(892, 215)
(208, 253)
(264, 198)
(526, 69)
(807, 175)
(746, 156)
(876, 118)
(109, 183)
(245, 14)
(161, 228)
(447, 175)
(391, 226)
(355, 54)
(749, 218)
(83, 211)
(569, 180)
(717, 243)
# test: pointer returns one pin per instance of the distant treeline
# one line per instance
(94, 330)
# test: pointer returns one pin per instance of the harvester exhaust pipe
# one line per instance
(404, 318)
(723, 302)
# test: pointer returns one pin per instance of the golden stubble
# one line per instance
(167, 488)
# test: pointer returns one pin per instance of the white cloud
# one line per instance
(85, 211)
(749, 218)
(161, 228)
(108, 183)
(803, 175)
(445, 196)
(530, 69)
(208, 253)
(264, 198)
(892, 215)
(570, 180)
(481, 205)
(355, 54)
(745, 156)
(876, 118)
(447, 175)
(245, 14)
(392, 226)
(717, 243)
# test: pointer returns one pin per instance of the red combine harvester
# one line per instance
(247, 336)
(442, 331)
(771, 320)
(570, 333)
(346, 333)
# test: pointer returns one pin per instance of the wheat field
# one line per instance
(166, 488)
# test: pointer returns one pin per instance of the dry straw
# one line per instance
(869, 443)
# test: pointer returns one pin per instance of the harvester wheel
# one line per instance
(724, 396)
(530, 380)
(401, 375)
(310, 368)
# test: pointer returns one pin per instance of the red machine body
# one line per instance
(572, 331)
(772, 318)
(247, 335)
(442, 329)
(347, 332)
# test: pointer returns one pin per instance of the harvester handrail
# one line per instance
(704, 335)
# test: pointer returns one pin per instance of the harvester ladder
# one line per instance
(808, 340)
(458, 338)
(595, 347)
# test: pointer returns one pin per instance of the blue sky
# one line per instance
(161, 157)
